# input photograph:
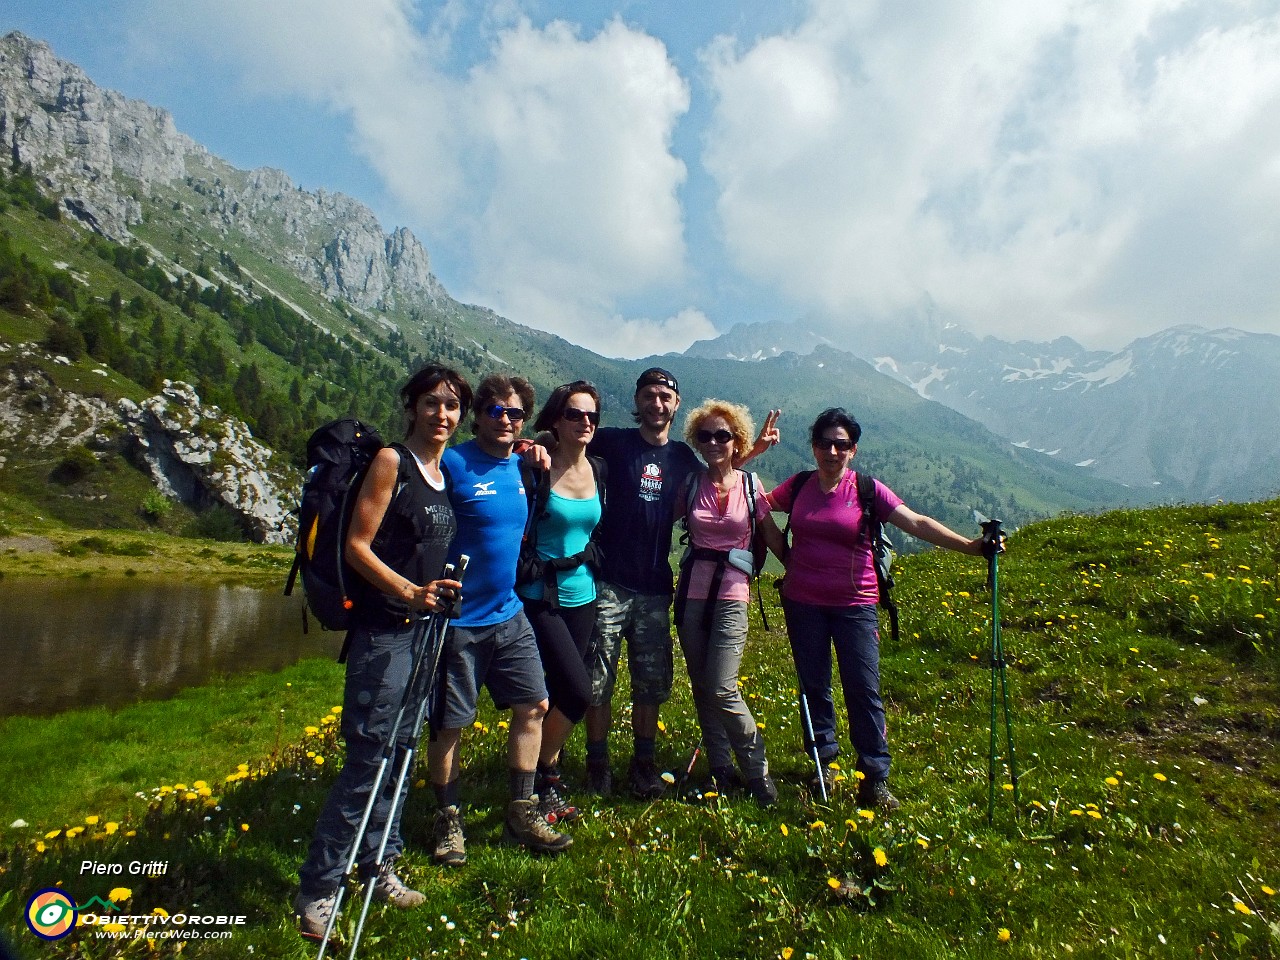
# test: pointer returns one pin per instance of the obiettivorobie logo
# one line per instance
(52, 914)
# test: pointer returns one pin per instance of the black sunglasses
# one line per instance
(842, 446)
(496, 411)
(574, 415)
(719, 436)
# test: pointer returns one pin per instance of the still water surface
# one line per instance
(76, 643)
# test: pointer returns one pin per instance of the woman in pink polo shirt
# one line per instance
(714, 589)
(829, 595)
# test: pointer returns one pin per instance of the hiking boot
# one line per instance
(451, 845)
(877, 796)
(599, 778)
(526, 826)
(764, 790)
(313, 915)
(726, 780)
(389, 888)
(828, 779)
(553, 801)
(646, 781)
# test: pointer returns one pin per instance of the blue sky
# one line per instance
(634, 176)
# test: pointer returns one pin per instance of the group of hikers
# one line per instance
(559, 576)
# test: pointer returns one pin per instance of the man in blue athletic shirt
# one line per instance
(491, 643)
(646, 471)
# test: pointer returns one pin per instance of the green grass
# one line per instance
(1143, 662)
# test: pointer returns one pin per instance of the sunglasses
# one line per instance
(719, 436)
(574, 415)
(842, 446)
(496, 411)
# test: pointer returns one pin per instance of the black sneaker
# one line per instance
(764, 790)
(726, 781)
(599, 778)
(876, 796)
(646, 781)
(553, 801)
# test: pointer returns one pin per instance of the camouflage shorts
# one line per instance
(645, 620)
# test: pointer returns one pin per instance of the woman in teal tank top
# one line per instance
(559, 589)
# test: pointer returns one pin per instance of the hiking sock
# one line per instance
(598, 752)
(447, 795)
(521, 783)
(646, 748)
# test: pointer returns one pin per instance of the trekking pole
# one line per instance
(807, 722)
(419, 645)
(439, 627)
(688, 769)
(992, 547)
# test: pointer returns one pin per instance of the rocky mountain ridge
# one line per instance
(107, 156)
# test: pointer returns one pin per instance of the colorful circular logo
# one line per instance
(51, 914)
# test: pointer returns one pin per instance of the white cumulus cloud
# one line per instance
(541, 156)
(1101, 169)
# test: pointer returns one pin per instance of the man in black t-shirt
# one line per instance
(645, 473)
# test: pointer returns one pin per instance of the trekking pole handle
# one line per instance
(992, 538)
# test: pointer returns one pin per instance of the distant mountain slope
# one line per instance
(1187, 413)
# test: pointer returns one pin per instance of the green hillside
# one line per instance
(1143, 649)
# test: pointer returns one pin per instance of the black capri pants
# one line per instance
(564, 637)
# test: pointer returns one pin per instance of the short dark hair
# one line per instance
(496, 387)
(834, 417)
(551, 411)
(426, 380)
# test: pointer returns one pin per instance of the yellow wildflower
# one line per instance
(1160, 776)
(785, 831)
(1268, 891)
(244, 828)
(786, 953)
(1003, 934)
(40, 847)
(1112, 782)
(119, 894)
(833, 883)
(1243, 907)
(111, 827)
(817, 825)
(867, 814)
(53, 835)
(1095, 814)
(924, 844)
(91, 820)
(881, 858)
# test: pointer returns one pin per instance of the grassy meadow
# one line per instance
(1143, 670)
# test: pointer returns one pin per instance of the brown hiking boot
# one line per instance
(451, 845)
(389, 888)
(526, 826)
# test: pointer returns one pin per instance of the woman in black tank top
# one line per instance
(398, 541)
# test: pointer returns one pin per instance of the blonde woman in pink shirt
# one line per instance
(830, 592)
(713, 592)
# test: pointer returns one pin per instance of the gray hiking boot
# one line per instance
(451, 845)
(878, 797)
(314, 914)
(646, 781)
(526, 826)
(599, 778)
(389, 888)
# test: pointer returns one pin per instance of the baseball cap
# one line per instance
(656, 375)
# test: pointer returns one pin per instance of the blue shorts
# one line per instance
(503, 657)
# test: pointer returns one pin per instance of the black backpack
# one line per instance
(338, 455)
(873, 529)
(531, 568)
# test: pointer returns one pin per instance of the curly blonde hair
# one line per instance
(736, 415)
